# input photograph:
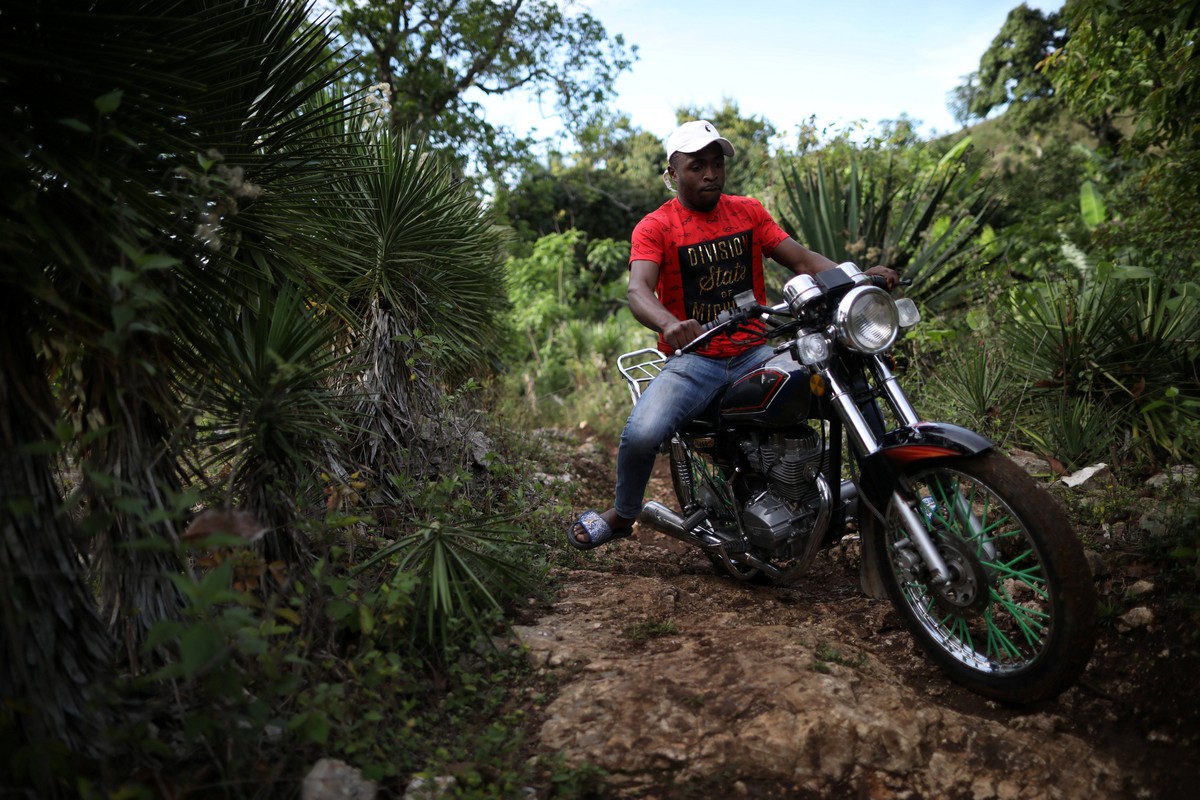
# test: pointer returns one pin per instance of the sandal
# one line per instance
(597, 529)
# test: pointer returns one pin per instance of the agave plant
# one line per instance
(465, 574)
(1120, 336)
(927, 223)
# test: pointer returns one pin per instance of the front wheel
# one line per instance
(1017, 620)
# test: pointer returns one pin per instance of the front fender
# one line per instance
(927, 440)
(924, 441)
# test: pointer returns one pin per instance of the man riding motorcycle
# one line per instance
(689, 259)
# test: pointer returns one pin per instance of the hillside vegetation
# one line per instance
(291, 331)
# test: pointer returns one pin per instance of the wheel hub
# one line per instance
(967, 592)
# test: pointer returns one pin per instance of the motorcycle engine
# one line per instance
(785, 481)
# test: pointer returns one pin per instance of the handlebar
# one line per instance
(729, 318)
(748, 307)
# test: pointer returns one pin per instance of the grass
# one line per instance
(650, 629)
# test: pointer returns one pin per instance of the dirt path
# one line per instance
(680, 683)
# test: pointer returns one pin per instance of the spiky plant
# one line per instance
(419, 264)
(465, 576)
(926, 222)
(138, 138)
(273, 419)
(1119, 338)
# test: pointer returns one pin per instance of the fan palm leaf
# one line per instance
(111, 165)
(419, 263)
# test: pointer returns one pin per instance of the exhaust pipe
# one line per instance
(664, 520)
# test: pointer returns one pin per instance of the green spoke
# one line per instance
(958, 627)
(1010, 567)
(1026, 620)
(997, 642)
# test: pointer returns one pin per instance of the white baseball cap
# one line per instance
(694, 136)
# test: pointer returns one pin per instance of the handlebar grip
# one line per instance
(881, 282)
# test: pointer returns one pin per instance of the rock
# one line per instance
(426, 788)
(1153, 523)
(1096, 563)
(1139, 617)
(796, 704)
(331, 779)
(1140, 588)
(1182, 473)
(1031, 462)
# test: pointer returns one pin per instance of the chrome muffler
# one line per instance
(664, 520)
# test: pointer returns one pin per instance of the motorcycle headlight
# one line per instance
(867, 320)
(812, 349)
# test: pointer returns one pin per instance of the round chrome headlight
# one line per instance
(867, 320)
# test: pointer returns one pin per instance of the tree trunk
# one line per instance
(54, 650)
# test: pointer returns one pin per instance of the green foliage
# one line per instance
(604, 189)
(1136, 57)
(543, 284)
(407, 238)
(1038, 201)
(436, 61)
(270, 419)
(465, 574)
(1113, 349)
(927, 221)
(976, 386)
(1009, 74)
(570, 323)
(650, 629)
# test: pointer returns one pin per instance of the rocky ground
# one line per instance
(677, 682)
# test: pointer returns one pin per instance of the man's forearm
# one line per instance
(649, 311)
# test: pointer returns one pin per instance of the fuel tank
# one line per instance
(776, 393)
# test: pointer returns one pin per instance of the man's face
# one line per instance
(700, 177)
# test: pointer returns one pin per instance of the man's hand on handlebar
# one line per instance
(888, 274)
(681, 332)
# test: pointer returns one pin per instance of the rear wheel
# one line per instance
(1017, 620)
(700, 483)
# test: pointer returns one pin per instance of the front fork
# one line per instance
(867, 443)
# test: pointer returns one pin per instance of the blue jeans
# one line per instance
(677, 396)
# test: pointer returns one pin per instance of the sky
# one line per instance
(787, 60)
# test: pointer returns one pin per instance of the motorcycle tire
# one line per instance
(1017, 622)
(686, 475)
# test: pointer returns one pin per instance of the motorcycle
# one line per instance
(977, 557)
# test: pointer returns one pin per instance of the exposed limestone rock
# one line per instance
(333, 779)
(738, 697)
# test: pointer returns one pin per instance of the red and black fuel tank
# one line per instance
(776, 393)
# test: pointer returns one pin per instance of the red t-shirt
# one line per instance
(705, 259)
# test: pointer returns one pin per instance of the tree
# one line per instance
(1137, 57)
(437, 57)
(604, 188)
(1137, 60)
(130, 171)
(1009, 74)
